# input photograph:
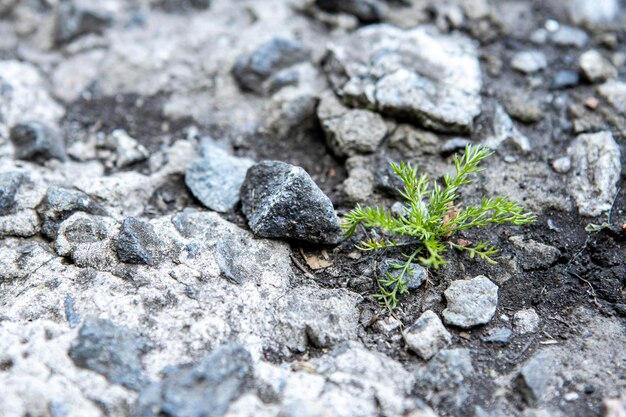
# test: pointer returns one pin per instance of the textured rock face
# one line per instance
(282, 201)
(427, 335)
(137, 242)
(470, 302)
(432, 79)
(596, 170)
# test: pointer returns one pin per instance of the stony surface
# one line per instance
(526, 321)
(470, 302)
(595, 67)
(37, 142)
(427, 335)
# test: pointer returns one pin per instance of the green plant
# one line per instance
(430, 218)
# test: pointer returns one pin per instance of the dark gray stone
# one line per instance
(199, 390)
(414, 280)
(282, 201)
(112, 351)
(498, 335)
(137, 242)
(262, 68)
(565, 79)
(59, 204)
(35, 141)
(386, 180)
(10, 183)
(216, 178)
(367, 11)
(76, 18)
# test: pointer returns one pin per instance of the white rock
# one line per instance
(595, 67)
(529, 61)
(526, 321)
(615, 93)
(471, 302)
(427, 335)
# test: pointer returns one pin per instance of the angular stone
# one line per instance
(206, 388)
(529, 61)
(216, 178)
(416, 74)
(35, 141)
(128, 151)
(595, 67)
(470, 302)
(498, 335)
(596, 171)
(535, 255)
(10, 182)
(282, 201)
(265, 66)
(526, 321)
(112, 351)
(137, 242)
(536, 378)
(427, 335)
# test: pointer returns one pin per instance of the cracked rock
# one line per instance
(417, 74)
(35, 141)
(111, 350)
(137, 243)
(471, 302)
(282, 201)
(427, 335)
(216, 178)
(596, 168)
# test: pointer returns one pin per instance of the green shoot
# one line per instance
(430, 218)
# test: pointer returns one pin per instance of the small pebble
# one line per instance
(565, 79)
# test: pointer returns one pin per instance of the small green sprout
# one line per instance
(430, 218)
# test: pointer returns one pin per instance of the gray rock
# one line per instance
(529, 61)
(60, 203)
(498, 335)
(410, 141)
(454, 145)
(367, 11)
(565, 79)
(137, 243)
(386, 180)
(526, 321)
(427, 335)
(535, 255)
(595, 67)
(350, 132)
(359, 185)
(35, 141)
(444, 381)
(112, 351)
(282, 201)
(416, 74)
(183, 5)
(596, 170)
(470, 302)
(562, 165)
(268, 64)
(593, 13)
(569, 36)
(10, 182)
(614, 92)
(127, 150)
(504, 130)
(216, 178)
(536, 377)
(79, 17)
(522, 106)
(206, 388)
(414, 280)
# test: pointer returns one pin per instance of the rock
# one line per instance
(596, 171)
(387, 325)
(592, 13)
(595, 67)
(79, 17)
(359, 185)
(269, 63)
(522, 107)
(216, 178)
(569, 36)
(10, 182)
(183, 5)
(498, 335)
(565, 79)
(526, 321)
(282, 201)
(454, 145)
(417, 74)
(615, 93)
(414, 280)
(413, 141)
(137, 243)
(128, 151)
(206, 388)
(23, 97)
(529, 61)
(444, 380)
(350, 132)
(535, 255)
(562, 165)
(470, 302)
(60, 203)
(427, 335)
(536, 377)
(387, 182)
(289, 111)
(35, 141)
(367, 11)
(422, 410)
(504, 130)
(112, 351)
(614, 407)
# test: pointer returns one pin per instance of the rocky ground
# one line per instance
(152, 265)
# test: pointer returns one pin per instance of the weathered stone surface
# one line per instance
(137, 243)
(37, 141)
(536, 378)
(418, 74)
(504, 130)
(594, 14)
(498, 335)
(216, 178)
(535, 255)
(526, 321)
(427, 335)
(282, 201)
(266, 68)
(127, 150)
(595, 67)
(596, 170)
(471, 302)
(615, 93)
(10, 182)
(112, 351)
(202, 389)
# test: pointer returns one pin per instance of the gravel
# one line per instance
(471, 302)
